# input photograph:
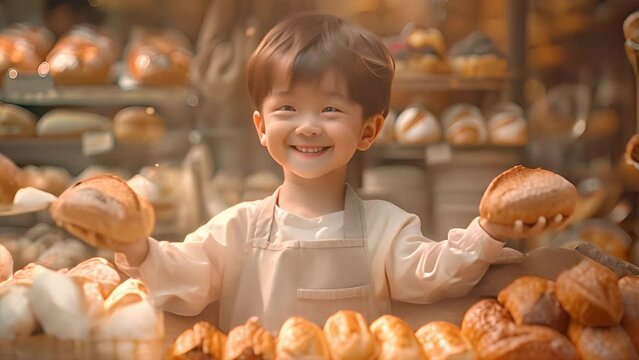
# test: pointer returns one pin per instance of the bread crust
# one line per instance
(138, 123)
(531, 300)
(349, 337)
(601, 343)
(526, 194)
(629, 286)
(202, 339)
(300, 338)
(396, 339)
(442, 340)
(16, 122)
(590, 294)
(103, 211)
(249, 341)
(11, 179)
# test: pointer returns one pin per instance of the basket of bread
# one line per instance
(86, 312)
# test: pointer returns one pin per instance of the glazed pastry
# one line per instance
(525, 194)
(349, 337)
(477, 56)
(301, 339)
(629, 286)
(531, 300)
(396, 339)
(590, 294)
(416, 125)
(249, 342)
(202, 341)
(442, 340)
(601, 343)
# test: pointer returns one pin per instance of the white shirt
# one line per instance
(405, 265)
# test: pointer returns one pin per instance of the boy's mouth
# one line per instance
(310, 149)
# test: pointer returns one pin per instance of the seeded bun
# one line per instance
(104, 211)
(527, 194)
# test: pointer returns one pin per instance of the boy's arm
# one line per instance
(420, 270)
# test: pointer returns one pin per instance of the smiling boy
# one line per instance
(321, 89)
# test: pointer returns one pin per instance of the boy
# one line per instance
(321, 88)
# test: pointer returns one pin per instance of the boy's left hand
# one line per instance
(519, 230)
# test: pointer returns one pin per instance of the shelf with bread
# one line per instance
(415, 81)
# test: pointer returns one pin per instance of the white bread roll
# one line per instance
(60, 122)
(416, 125)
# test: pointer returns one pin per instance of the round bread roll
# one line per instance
(629, 286)
(62, 122)
(416, 125)
(396, 339)
(202, 341)
(525, 194)
(51, 179)
(442, 340)
(39, 36)
(601, 343)
(158, 59)
(6, 264)
(349, 337)
(104, 211)
(16, 121)
(429, 37)
(464, 124)
(11, 179)
(531, 300)
(301, 339)
(249, 341)
(632, 151)
(507, 128)
(138, 124)
(97, 270)
(590, 294)
(17, 53)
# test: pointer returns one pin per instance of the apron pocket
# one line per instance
(318, 304)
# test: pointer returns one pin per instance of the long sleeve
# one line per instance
(184, 277)
(420, 270)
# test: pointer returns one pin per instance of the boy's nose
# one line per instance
(308, 128)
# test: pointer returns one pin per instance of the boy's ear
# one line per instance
(370, 131)
(258, 121)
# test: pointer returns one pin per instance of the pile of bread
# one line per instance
(461, 125)
(87, 56)
(424, 50)
(86, 312)
(588, 313)
(129, 124)
(47, 178)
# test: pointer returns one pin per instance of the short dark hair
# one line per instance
(306, 46)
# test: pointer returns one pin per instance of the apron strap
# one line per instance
(354, 217)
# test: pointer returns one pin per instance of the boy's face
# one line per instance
(313, 129)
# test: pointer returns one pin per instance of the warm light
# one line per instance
(13, 73)
(43, 69)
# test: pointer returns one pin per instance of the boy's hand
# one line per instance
(519, 230)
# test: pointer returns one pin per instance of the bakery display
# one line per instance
(531, 300)
(249, 341)
(104, 211)
(416, 125)
(629, 287)
(17, 53)
(84, 56)
(349, 337)
(508, 126)
(70, 123)
(201, 341)
(158, 57)
(138, 124)
(422, 50)
(38, 36)
(52, 179)
(590, 294)
(301, 339)
(477, 56)
(520, 193)
(396, 339)
(16, 122)
(441, 340)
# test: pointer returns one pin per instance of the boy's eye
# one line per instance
(330, 109)
(286, 108)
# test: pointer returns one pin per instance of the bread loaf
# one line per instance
(442, 340)
(396, 339)
(202, 341)
(300, 339)
(601, 343)
(590, 294)
(249, 342)
(525, 194)
(11, 179)
(349, 337)
(629, 286)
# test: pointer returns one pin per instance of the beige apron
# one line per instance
(303, 277)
